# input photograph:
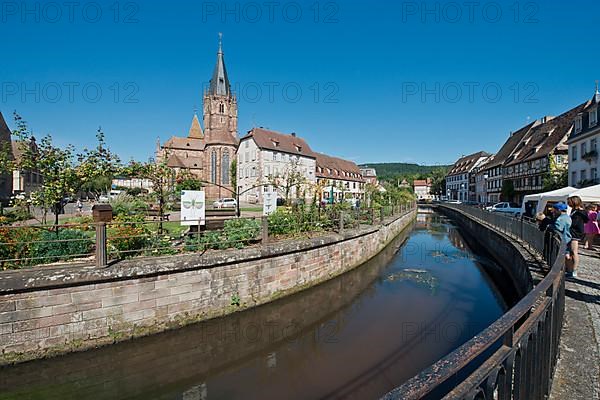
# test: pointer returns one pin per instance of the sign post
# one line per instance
(193, 208)
(269, 203)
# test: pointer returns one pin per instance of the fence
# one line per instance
(99, 243)
(516, 356)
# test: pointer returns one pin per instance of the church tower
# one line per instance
(220, 104)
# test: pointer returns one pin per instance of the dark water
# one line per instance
(357, 336)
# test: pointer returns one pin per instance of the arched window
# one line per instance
(213, 167)
(225, 168)
(222, 108)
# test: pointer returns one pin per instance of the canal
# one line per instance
(357, 336)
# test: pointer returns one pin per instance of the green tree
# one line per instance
(438, 182)
(62, 172)
(291, 179)
(160, 175)
(557, 176)
(508, 190)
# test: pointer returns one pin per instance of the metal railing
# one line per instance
(100, 243)
(516, 356)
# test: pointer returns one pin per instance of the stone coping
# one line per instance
(61, 276)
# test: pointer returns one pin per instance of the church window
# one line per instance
(225, 168)
(213, 167)
(222, 108)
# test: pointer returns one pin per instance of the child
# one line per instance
(592, 229)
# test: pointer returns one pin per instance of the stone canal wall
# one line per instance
(49, 311)
(514, 261)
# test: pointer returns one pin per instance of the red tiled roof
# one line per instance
(422, 182)
(337, 168)
(275, 141)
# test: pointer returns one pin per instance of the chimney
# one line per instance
(293, 134)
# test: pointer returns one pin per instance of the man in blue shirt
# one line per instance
(562, 225)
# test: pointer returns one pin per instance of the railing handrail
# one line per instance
(504, 328)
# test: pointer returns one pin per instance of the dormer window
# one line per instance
(593, 117)
(299, 149)
(578, 124)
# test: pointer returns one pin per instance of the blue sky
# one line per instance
(406, 81)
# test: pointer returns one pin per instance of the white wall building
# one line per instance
(422, 189)
(339, 177)
(267, 158)
(583, 146)
(458, 180)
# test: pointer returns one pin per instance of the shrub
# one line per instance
(128, 236)
(160, 245)
(126, 204)
(285, 221)
(62, 246)
(236, 233)
(240, 232)
(15, 244)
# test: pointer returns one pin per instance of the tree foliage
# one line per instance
(63, 172)
(557, 176)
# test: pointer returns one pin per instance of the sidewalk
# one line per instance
(578, 372)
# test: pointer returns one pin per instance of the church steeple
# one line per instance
(196, 129)
(220, 105)
(219, 84)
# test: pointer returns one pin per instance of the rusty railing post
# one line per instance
(264, 230)
(101, 253)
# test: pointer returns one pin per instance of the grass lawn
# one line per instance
(173, 227)
(251, 209)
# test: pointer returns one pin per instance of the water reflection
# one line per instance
(357, 336)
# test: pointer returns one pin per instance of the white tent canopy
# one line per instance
(589, 195)
(543, 198)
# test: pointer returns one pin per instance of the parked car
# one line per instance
(225, 203)
(506, 208)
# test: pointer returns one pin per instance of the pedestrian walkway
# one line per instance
(578, 372)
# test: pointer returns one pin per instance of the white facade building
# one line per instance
(458, 180)
(340, 178)
(268, 160)
(583, 147)
(422, 189)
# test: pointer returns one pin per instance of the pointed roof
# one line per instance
(280, 142)
(510, 146)
(219, 84)
(546, 137)
(196, 129)
(4, 129)
(466, 163)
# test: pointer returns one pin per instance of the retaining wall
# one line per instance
(48, 311)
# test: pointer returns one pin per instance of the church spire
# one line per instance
(219, 84)
(196, 129)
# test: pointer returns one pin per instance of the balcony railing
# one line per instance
(516, 356)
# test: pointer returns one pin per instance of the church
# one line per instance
(208, 153)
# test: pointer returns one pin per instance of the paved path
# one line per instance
(578, 372)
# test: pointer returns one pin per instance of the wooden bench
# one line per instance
(154, 215)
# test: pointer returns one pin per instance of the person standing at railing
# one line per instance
(543, 221)
(562, 226)
(592, 229)
(579, 218)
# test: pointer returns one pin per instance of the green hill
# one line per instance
(395, 171)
